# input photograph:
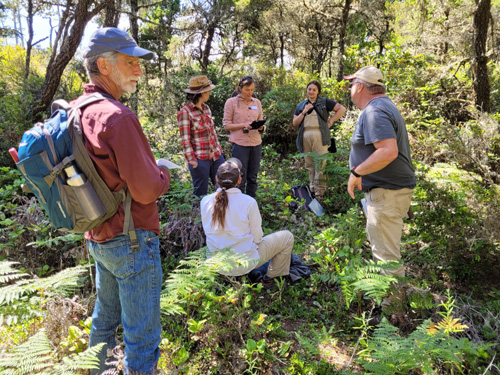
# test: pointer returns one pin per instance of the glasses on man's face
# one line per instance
(353, 82)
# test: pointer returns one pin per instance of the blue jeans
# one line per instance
(206, 170)
(128, 283)
(250, 159)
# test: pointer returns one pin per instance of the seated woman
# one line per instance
(232, 220)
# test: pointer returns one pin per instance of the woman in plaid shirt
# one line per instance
(199, 140)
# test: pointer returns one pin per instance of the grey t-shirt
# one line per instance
(381, 120)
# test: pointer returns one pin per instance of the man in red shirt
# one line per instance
(128, 275)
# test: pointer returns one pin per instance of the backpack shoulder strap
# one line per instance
(60, 104)
(86, 100)
(75, 121)
(74, 116)
(128, 223)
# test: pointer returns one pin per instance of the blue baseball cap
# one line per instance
(111, 39)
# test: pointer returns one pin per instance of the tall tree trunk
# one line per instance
(342, 36)
(320, 53)
(112, 14)
(70, 33)
(282, 50)
(134, 31)
(134, 26)
(29, 44)
(18, 26)
(205, 56)
(481, 83)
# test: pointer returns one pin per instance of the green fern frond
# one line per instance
(61, 283)
(31, 357)
(11, 293)
(225, 260)
(195, 273)
(35, 356)
(327, 278)
(8, 273)
(367, 278)
(373, 287)
(84, 360)
(55, 241)
(390, 353)
(311, 342)
(372, 267)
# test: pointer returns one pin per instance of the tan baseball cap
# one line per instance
(370, 74)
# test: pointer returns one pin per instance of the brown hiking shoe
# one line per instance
(268, 283)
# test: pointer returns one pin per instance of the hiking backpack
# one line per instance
(51, 155)
(300, 192)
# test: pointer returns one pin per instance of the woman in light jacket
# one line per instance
(239, 112)
(231, 220)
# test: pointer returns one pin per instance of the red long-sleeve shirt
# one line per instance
(121, 153)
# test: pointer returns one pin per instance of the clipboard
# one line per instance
(257, 123)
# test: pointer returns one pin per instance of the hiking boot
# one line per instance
(268, 283)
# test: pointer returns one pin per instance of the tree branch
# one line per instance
(40, 41)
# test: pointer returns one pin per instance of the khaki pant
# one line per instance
(313, 143)
(277, 247)
(384, 223)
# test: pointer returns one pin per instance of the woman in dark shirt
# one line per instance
(312, 117)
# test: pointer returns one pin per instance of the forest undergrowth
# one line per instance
(447, 321)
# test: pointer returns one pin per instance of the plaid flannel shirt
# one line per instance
(198, 137)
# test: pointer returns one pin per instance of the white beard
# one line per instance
(124, 83)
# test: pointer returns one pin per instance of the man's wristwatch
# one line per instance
(354, 173)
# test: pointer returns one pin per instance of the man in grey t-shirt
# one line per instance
(381, 165)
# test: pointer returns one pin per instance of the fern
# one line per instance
(327, 278)
(389, 353)
(367, 278)
(55, 241)
(7, 273)
(195, 273)
(13, 297)
(84, 360)
(448, 324)
(35, 356)
(61, 283)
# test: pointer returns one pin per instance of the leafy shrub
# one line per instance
(452, 225)
(279, 105)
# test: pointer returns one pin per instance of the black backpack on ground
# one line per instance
(299, 193)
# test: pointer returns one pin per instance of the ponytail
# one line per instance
(220, 207)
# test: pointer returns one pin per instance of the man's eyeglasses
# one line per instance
(353, 82)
